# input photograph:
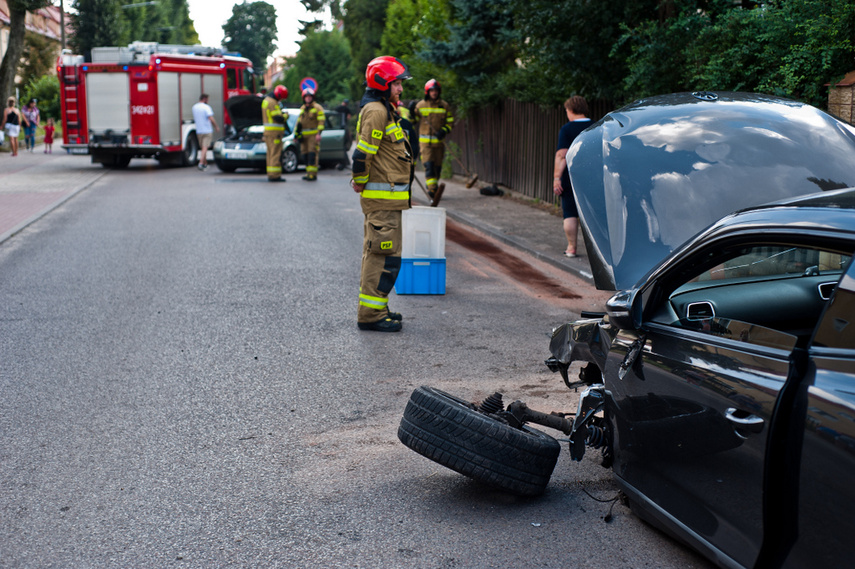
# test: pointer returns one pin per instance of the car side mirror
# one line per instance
(624, 310)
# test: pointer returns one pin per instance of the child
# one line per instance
(49, 128)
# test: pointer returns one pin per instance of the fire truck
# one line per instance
(136, 101)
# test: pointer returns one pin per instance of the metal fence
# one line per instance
(512, 145)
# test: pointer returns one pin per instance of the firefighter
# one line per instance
(274, 130)
(382, 174)
(310, 124)
(434, 119)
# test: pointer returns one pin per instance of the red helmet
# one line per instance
(280, 92)
(432, 84)
(308, 91)
(381, 71)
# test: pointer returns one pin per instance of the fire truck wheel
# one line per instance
(290, 159)
(190, 155)
(451, 432)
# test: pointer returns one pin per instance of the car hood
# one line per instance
(651, 175)
(244, 110)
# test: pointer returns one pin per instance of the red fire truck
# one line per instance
(135, 101)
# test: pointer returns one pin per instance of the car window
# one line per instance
(836, 329)
(231, 78)
(333, 119)
(770, 295)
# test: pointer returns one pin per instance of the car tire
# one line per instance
(190, 154)
(290, 159)
(451, 432)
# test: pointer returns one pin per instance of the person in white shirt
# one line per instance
(206, 124)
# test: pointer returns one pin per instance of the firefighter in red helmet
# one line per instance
(382, 174)
(274, 130)
(434, 119)
(310, 125)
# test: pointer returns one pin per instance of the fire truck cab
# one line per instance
(136, 101)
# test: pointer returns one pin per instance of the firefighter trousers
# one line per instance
(273, 140)
(381, 262)
(309, 147)
(432, 156)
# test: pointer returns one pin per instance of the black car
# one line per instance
(244, 147)
(720, 386)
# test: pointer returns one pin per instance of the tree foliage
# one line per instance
(46, 90)
(474, 43)
(96, 23)
(251, 31)
(364, 21)
(545, 50)
(99, 23)
(325, 56)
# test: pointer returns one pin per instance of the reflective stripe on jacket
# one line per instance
(269, 109)
(382, 159)
(433, 116)
(312, 118)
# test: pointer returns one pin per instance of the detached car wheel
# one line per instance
(449, 431)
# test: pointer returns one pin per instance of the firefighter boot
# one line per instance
(437, 195)
(384, 325)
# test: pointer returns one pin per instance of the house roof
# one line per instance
(44, 21)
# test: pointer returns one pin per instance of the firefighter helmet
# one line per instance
(383, 70)
(280, 92)
(432, 84)
(308, 91)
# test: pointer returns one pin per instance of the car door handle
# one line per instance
(744, 420)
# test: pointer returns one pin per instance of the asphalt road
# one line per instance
(184, 385)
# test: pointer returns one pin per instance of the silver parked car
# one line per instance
(244, 147)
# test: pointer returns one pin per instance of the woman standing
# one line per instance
(12, 123)
(31, 113)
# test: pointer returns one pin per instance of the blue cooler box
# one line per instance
(421, 276)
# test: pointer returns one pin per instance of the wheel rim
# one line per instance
(289, 161)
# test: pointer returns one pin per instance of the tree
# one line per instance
(476, 46)
(46, 90)
(326, 57)
(17, 18)
(364, 21)
(96, 23)
(251, 31)
(39, 57)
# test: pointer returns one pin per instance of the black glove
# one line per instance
(441, 134)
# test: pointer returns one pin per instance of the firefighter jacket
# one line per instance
(432, 118)
(271, 115)
(382, 159)
(311, 119)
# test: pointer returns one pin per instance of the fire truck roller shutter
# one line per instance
(191, 88)
(108, 104)
(169, 113)
(213, 86)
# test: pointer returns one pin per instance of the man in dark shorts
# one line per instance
(577, 113)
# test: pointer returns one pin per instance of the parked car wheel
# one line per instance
(290, 159)
(449, 431)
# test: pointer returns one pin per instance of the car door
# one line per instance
(826, 499)
(693, 392)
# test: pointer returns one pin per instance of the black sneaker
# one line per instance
(385, 325)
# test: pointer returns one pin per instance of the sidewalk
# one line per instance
(34, 183)
(522, 224)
